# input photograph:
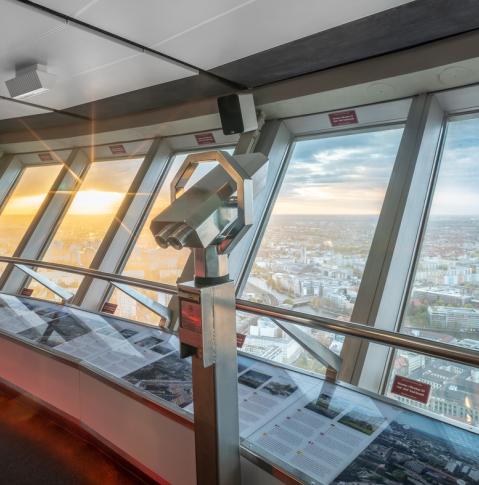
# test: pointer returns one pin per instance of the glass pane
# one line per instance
(147, 260)
(444, 300)
(23, 204)
(87, 220)
(133, 310)
(315, 247)
(313, 253)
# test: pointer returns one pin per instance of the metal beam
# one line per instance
(10, 172)
(147, 302)
(321, 353)
(417, 150)
(65, 295)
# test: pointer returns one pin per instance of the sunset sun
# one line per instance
(95, 202)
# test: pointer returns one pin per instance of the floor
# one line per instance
(36, 449)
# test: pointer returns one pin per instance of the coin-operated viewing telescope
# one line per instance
(210, 217)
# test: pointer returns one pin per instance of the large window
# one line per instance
(314, 251)
(23, 204)
(443, 304)
(147, 260)
(84, 226)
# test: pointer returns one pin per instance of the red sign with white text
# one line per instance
(205, 139)
(109, 308)
(343, 118)
(26, 292)
(45, 157)
(418, 391)
(240, 338)
(117, 150)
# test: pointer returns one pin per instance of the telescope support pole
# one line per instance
(208, 334)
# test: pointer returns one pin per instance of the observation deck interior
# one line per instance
(239, 242)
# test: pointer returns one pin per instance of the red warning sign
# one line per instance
(45, 157)
(240, 338)
(109, 308)
(341, 118)
(26, 292)
(117, 150)
(205, 139)
(416, 390)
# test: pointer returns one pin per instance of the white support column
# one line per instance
(119, 240)
(43, 227)
(274, 142)
(10, 171)
(389, 264)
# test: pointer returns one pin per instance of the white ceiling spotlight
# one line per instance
(30, 81)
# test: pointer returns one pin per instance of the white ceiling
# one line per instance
(206, 33)
(9, 109)
(209, 33)
(87, 66)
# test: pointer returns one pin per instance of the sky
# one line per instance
(101, 193)
(340, 175)
(349, 174)
(457, 188)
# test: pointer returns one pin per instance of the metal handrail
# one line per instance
(374, 334)
(384, 337)
(94, 273)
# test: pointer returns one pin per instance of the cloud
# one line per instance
(456, 191)
(342, 174)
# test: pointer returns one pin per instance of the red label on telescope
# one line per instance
(26, 292)
(416, 390)
(117, 150)
(343, 118)
(109, 308)
(190, 323)
(190, 315)
(205, 139)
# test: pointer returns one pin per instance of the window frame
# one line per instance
(389, 114)
(455, 115)
(182, 145)
(277, 141)
(376, 366)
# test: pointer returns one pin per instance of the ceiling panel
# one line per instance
(87, 66)
(11, 109)
(66, 53)
(149, 21)
(264, 24)
(129, 74)
(22, 26)
(68, 7)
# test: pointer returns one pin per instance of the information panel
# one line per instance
(320, 432)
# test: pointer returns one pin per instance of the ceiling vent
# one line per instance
(30, 81)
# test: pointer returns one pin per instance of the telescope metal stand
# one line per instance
(208, 334)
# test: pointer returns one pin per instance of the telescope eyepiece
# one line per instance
(178, 238)
(162, 237)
